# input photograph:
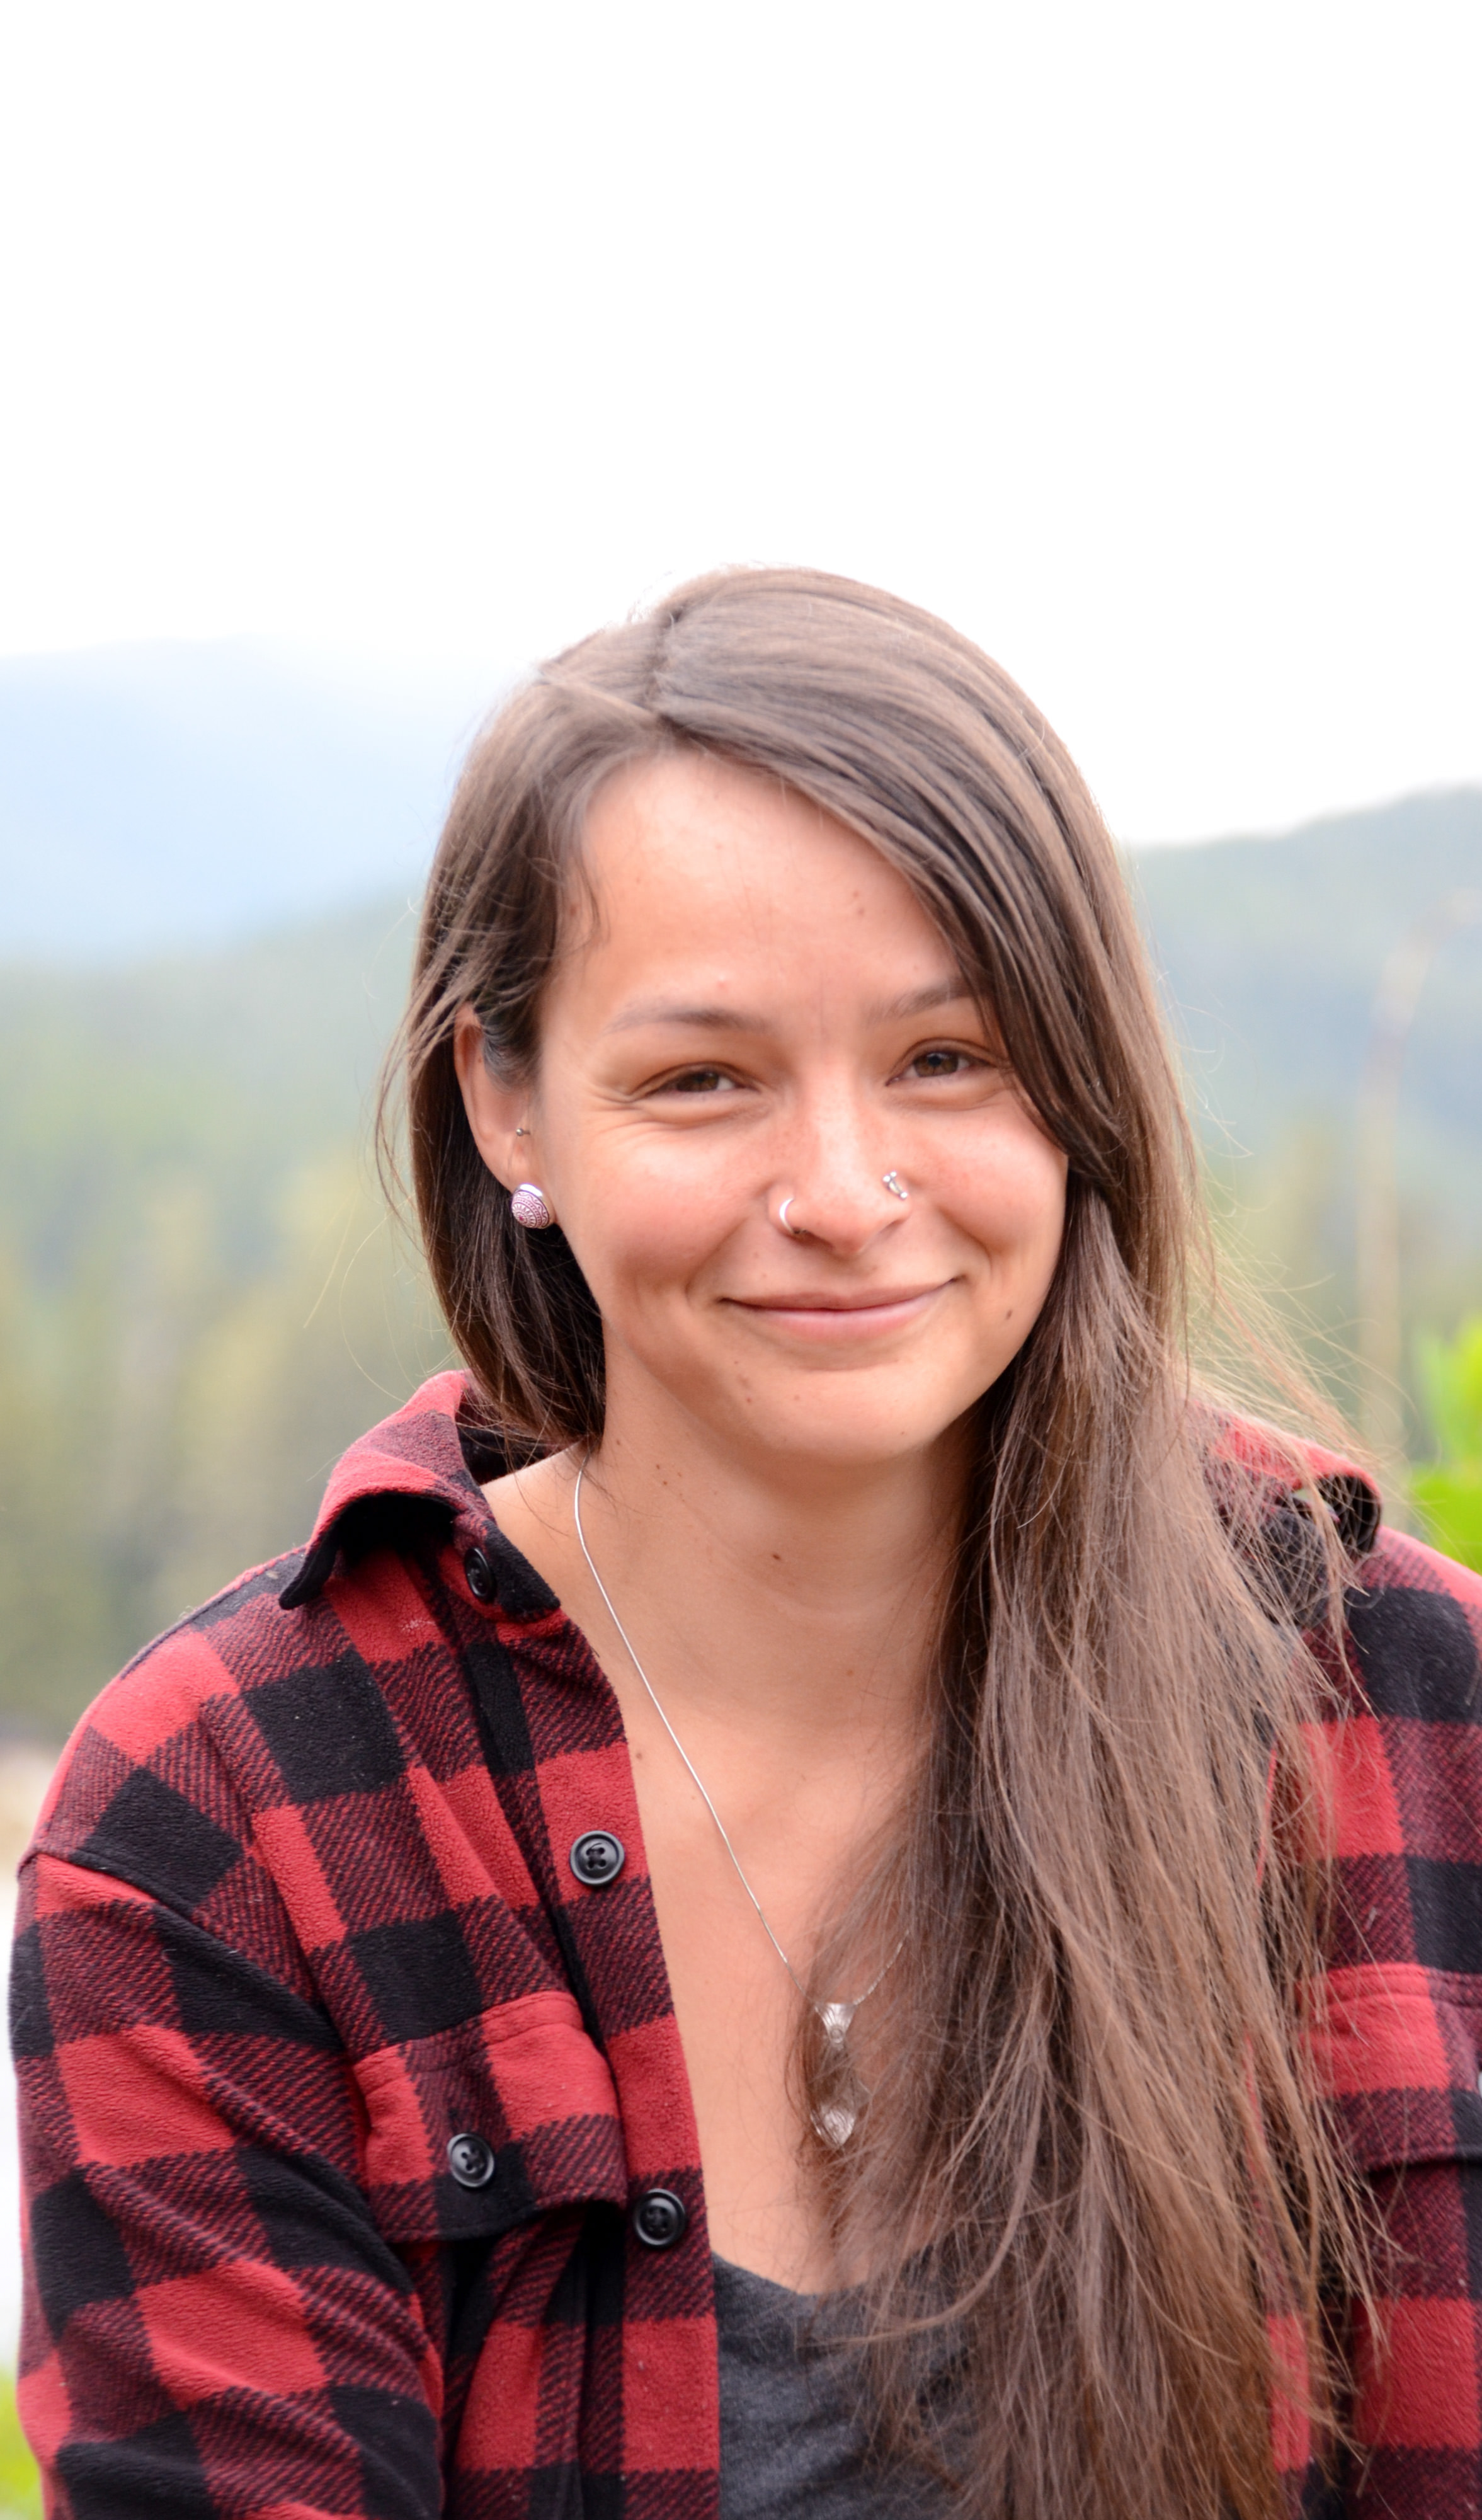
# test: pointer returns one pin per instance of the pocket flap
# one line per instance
(526, 2081)
(1398, 2054)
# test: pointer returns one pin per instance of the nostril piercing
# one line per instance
(894, 1183)
(796, 1231)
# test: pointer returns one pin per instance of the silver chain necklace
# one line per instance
(835, 2121)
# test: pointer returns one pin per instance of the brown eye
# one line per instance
(698, 1080)
(939, 1062)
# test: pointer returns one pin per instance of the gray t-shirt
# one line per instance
(792, 2442)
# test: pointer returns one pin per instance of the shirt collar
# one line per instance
(418, 1459)
(1282, 1468)
(420, 1456)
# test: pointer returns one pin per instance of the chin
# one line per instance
(805, 1428)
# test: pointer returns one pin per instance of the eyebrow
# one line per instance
(713, 1018)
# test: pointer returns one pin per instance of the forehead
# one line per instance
(687, 848)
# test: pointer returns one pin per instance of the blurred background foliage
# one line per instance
(202, 1299)
(20, 2484)
(1448, 1490)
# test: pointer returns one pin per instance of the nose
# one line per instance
(831, 1180)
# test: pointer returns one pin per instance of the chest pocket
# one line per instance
(489, 2124)
(1400, 2055)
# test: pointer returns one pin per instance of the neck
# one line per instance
(810, 1589)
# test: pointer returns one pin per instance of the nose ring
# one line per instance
(890, 1181)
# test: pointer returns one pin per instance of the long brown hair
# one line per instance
(1091, 2143)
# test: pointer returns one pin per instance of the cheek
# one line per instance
(1014, 1205)
(639, 1239)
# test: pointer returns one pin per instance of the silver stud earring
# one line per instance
(528, 1207)
(894, 1183)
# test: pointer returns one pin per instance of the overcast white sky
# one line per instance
(1140, 339)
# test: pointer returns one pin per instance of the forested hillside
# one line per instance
(200, 1296)
(202, 1301)
(1271, 952)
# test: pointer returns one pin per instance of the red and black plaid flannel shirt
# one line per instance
(342, 2097)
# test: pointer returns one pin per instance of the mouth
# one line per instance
(860, 1314)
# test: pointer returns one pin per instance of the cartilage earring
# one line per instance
(528, 1207)
(894, 1183)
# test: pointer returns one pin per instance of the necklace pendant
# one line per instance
(841, 2094)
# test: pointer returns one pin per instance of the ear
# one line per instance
(494, 1110)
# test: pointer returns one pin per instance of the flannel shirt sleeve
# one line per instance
(1404, 2044)
(1415, 2419)
(213, 2322)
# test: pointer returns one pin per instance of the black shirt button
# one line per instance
(470, 2160)
(481, 1575)
(598, 1858)
(659, 2219)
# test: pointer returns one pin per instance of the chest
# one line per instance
(744, 1885)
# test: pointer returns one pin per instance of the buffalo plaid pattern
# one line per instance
(360, 2161)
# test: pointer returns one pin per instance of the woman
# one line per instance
(826, 1887)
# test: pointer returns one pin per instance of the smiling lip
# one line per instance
(853, 1315)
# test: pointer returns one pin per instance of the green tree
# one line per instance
(20, 2485)
(1449, 1491)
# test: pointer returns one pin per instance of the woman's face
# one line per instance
(762, 1012)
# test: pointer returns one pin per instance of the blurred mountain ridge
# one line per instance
(182, 794)
(1270, 952)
